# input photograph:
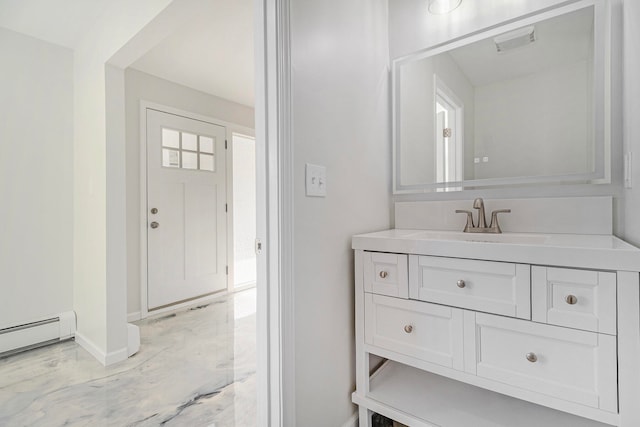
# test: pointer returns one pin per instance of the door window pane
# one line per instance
(189, 160)
(170, 138)
(206, 144)
(170, 158)
(189, 141)
(206, 162)
(192, 151)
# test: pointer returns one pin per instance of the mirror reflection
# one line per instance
(519, 103)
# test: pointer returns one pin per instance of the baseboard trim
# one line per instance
(90, 347)
(134, 317)
(186, 304)
(105, 359)
(116, 356)
(353, 421)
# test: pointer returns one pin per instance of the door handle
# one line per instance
(154, 224)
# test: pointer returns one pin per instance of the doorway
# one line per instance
(449, 155)
(273, 162)
(243, 152)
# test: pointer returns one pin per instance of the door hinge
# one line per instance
(225, 144)
(258, 246)
(446, 133)
(226, 207)
(227, 270)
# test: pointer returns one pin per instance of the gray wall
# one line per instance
(36, 184)
(340, 120)
(141, 86)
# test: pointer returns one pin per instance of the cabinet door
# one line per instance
(564, 363)
(580, 299)
(428, 332)
(493, 287)
(386, 274)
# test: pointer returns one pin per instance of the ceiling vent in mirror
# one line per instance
(515, 38)
(439, 7)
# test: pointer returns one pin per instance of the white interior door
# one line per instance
(186, 208)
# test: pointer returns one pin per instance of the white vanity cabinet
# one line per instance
(496, 340)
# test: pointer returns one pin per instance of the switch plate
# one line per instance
(316, 180)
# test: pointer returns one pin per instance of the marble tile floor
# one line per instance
(196, 367)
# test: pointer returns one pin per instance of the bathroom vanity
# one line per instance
(536, 326)
(511, 329)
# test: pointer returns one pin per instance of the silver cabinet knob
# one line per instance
(154, 225)
(384, 274)
(571, 299)
(408, 328)
(461, 283)
(531, 357)
(154, 211)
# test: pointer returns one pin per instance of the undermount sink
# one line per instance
(512, 238)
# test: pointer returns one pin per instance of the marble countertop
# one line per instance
(604, 252)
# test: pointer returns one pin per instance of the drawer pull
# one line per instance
(531, 357)
(408, 328)
(384, 274)
(461, 283)
(571, 299)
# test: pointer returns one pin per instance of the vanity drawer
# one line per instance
(386, 274)
(580, 299)
(568, 364)
(493, 287)
(428, 332)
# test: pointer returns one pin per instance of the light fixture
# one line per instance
(439, 7)
(516, 38)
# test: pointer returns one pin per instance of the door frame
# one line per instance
(275, 180)
(230, 128)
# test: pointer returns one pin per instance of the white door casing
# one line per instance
(186, 183)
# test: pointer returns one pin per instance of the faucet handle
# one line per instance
(469, 219)
(494, 219)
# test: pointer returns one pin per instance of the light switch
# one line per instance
(316, 180)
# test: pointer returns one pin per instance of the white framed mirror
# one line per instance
(524, 102)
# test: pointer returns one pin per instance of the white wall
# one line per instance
(417, 118)
(535, 124)
(411, 28)
(36, 184)
(140, 86)
(416, 123)
(340, 120)
(99, 301)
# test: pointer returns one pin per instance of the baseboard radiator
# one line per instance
(31, 335)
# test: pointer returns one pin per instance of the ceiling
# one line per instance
(565, 39)
(212, 53)
(62, 22)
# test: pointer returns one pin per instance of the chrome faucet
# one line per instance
(482, 222)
